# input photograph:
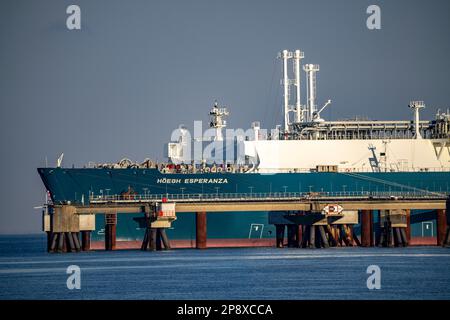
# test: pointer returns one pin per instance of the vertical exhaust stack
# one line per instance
(298, 55)
(416, 106)
(285, 55)
(311, 70)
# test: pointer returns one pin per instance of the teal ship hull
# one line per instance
(77, 185)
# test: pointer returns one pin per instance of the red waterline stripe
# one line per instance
(232, 243)
(176, 244)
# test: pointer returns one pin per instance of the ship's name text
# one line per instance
(192, 180)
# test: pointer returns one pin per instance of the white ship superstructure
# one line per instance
(307, 143)
(310, 143)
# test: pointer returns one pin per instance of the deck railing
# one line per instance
(266, 196)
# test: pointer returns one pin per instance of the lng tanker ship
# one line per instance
(306, 154)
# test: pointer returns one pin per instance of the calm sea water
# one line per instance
(28, 272)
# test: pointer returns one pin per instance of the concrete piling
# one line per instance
(386, 234)
(366, 228)
(155, 238)
(355, 238)
(378, 230)
(331, 238)
(164, 238)
(144, 244)
(49, 240)
(447, 214)
(441, 221)
(54, 242)
(61, 242)
(110, 231)
(152, 239)
(292, 230)
(397, 237)
(65, 243)
(158, 240)
(200, 235)
(408, 226)
(447, 238)
(394, 228)
(312, 237)
(344, 235)
(299, 236)
(85, 240)
(348, 234)
(337, 234)
(305, 237)
(70, 242)
(162, 242)
(323, 236)
(404, 237)
(394, 237)
(279, 234)
(77, 241)
(318, 237)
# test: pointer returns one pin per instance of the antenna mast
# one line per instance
(217, 120)
(416, 106)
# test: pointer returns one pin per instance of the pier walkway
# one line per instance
(329, 215)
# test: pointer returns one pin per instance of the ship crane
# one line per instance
(59, 160)
(317, 114)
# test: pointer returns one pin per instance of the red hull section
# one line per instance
(424, 241)
(233, 243)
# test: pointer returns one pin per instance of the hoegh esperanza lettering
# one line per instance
(192, 180)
